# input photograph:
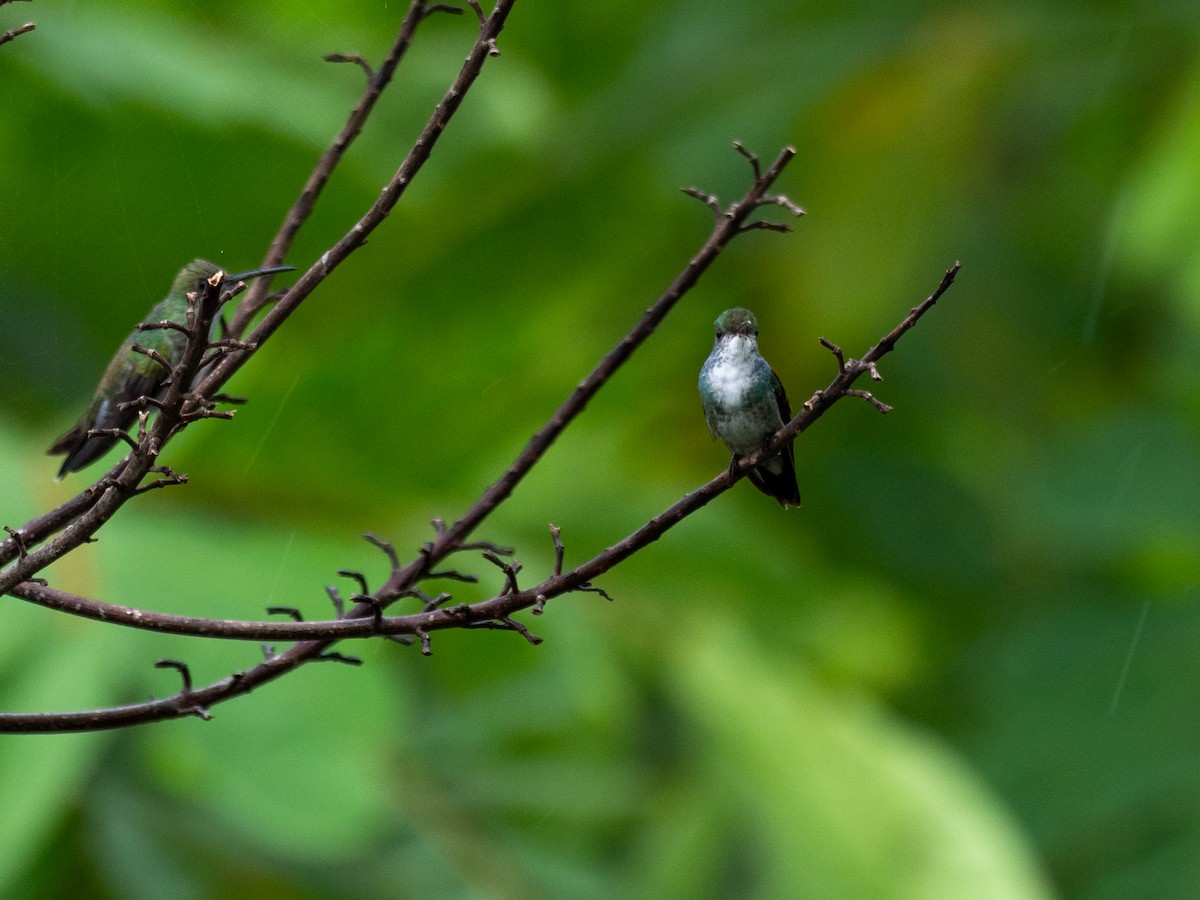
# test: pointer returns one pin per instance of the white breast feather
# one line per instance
(730, 377)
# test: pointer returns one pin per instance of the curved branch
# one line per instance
(303, 207)
(728, 226)
(489, 613)
(38, 529)
(13, 33)
(484, 48)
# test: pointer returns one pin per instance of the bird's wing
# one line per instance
(712, 424)
(709, 415)
(785, 410)
(781, 399)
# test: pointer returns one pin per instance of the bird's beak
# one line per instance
(255, 273)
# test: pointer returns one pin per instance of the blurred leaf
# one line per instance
(837, 799)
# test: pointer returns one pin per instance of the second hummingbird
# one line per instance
(745, 404)
(131, 375)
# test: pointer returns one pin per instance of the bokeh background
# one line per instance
(968, 666)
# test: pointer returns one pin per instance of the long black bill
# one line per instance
(255, 273)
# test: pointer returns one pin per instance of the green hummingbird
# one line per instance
(132, 375)
(745, 404)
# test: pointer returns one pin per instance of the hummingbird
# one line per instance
(745, 404)
(131, 375)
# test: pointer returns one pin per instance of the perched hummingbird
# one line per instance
(745, 404)
(131, 375)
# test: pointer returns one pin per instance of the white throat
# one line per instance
(731, 375)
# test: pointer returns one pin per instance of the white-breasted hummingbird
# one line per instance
(745, 404)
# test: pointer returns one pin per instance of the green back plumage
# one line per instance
(131, 375)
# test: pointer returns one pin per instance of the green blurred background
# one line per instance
(969, 666)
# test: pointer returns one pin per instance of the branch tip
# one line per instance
(386, 547)
(14, 33)
(374, 608)
(19, 540)
(510, 571)
(454, 575)
(870, 398)
(709, 200)
(334, 656)
(181, 667)
(752, 158)
(559, 550)
(423, 636)
(357, 577)
(339, 605)
(835, 350)
(520, 629)
(449, 8)
(354, 58)
(588, 588)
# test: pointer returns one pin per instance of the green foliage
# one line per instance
(966, 667)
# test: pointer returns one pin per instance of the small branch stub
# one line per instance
(19, 540)
(559, 550)
(13, 33)
(181, 667)
(351, 58)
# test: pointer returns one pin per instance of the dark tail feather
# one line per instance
(781, 485)
(80, 449)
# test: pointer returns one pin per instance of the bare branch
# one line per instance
(165, 325)
(182, 668)
(18, 540)
(333, 656)
(559, 550)
(836, 351)
(154, 355)
(724, 230)
(443, 8)
(352, 58)
(358, 577)
(708, 200)
(16, 32)
(870, 398)
(386, 547)
(751, 157)
(510, 571)
(38, 529)
(305, 203)
(170, 477)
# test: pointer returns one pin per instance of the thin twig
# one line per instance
(724, 230)
(352, 58)
(303, 207)
(16, 32)
(560, 550)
